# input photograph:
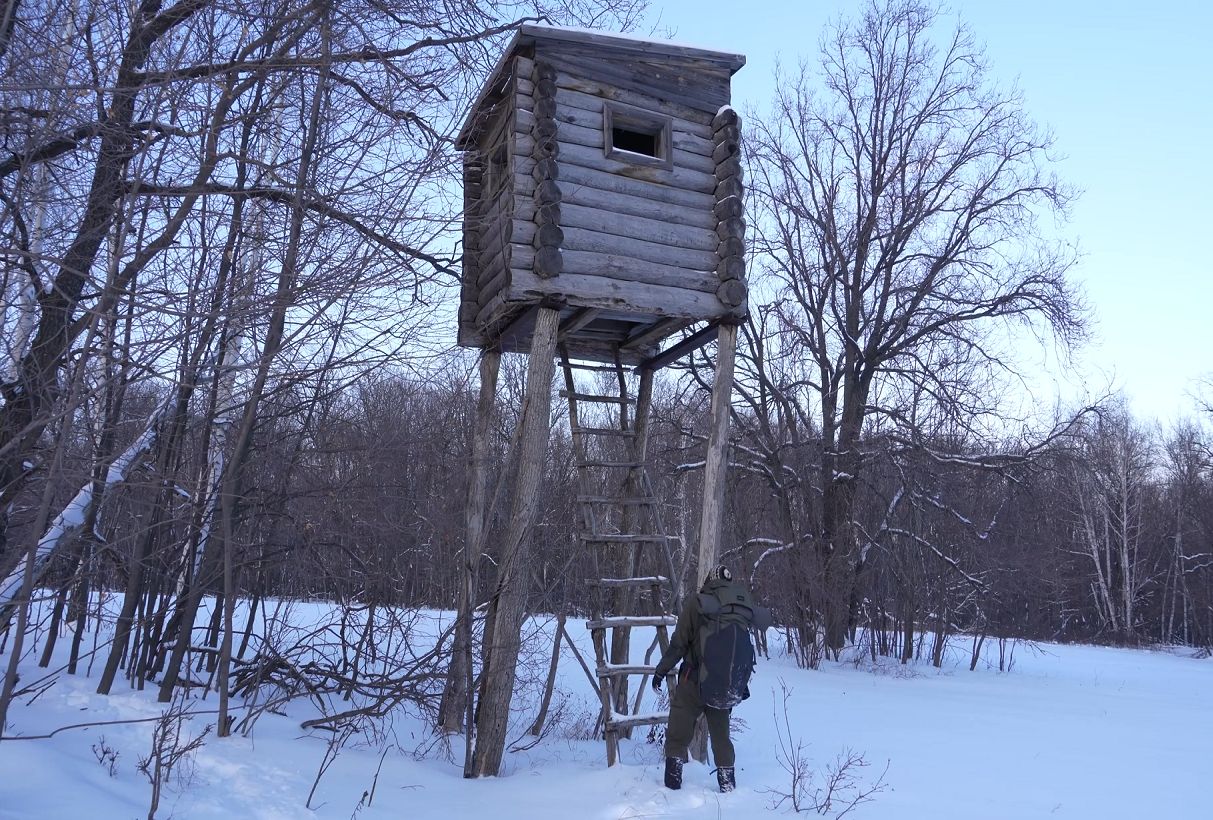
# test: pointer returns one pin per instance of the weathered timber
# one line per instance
(732, 186)
(582, 41)
(589, 176)
(548, 262)
(688, 179)
(454, 712)
(591, 96)
(544, 108)
(598, 290)
(681, 106)
(650, 333)
(682, 140)
(595, 200)
(732, 292)
(595, 397)
(494, 286)
(513, 569)
(502, 232)
(725, 150)
(625, 225)
(604, 431)
(625, 269)
(715, 460)
(617, 243)
(677, 351)
(545, 168)
(699, 88)
(732, 246)
(547, 235)
(547, 193)
(570, 135)
(494, 263)
(730, 169)
(731, 267)
(729, 133)
(725, 117)
(731, 207)
(727, 228)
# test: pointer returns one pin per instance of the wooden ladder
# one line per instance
(620, 526)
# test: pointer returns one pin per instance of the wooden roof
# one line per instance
(530, 35)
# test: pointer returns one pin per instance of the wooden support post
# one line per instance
(501, 648)
(454, 714)
(716, 462)
(715, 471)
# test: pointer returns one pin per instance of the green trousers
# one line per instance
(684, 710)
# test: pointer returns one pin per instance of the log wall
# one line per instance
(635, 235)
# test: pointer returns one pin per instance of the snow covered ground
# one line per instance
(1069, 732)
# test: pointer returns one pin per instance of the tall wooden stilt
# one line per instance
(454, 714)
(716, 461)
(715, 470)
(502, 646)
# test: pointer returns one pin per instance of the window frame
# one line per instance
(661, 126)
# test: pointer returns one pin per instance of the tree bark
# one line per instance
(502, 647)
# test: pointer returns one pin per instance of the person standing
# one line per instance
(712, 641)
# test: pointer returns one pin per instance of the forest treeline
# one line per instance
(230, 260)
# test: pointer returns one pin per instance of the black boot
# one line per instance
(673, 772)
(726, 778)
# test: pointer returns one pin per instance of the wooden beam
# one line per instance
(501, 647)
(675, 352)
(715, 462)
(579, 319)
(520, 327)
(651, 332)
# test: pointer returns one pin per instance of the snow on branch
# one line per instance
(76, 512)
(777, 547)
(947, 559)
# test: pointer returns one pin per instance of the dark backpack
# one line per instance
(726, 654)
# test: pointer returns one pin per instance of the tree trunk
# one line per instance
(453, 709)
(502, 647)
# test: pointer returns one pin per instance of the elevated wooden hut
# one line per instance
(601, 177)
(603, 215)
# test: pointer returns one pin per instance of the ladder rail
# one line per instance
(619, 514)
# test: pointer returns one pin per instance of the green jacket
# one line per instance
(683, 645)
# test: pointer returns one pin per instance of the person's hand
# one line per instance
(657, 683)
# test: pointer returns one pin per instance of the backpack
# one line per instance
(726, 654)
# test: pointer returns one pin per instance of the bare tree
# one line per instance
(898, 207)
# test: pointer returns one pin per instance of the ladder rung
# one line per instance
(594, 397)
(603, 431)
(592, 368)
(610, 499)
(616, 621)
(647, 581)
(613, 670)
(624, 538)
(619, 721)
(632, 464)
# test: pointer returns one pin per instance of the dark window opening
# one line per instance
(636, 135)
(638, 142)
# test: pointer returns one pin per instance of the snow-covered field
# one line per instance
(1069, 732)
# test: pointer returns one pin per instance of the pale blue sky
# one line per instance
(1126, 89)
